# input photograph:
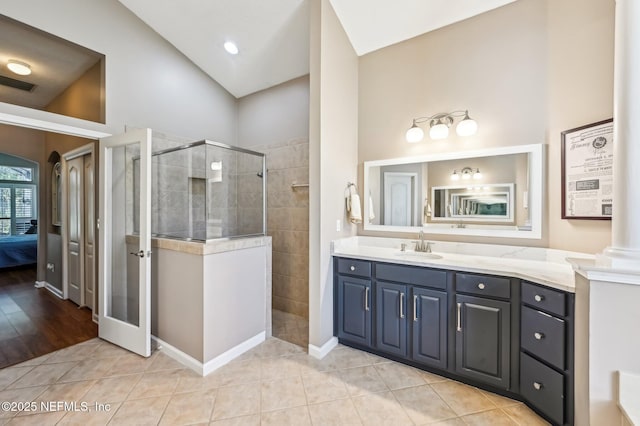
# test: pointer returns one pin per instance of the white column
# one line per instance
(625, 245)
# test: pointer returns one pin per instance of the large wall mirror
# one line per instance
(42, 71)
(493, 192)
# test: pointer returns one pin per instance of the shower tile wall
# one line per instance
(288, 224)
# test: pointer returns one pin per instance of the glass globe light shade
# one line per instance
(467, 126)
(414, 134)
(439, 131)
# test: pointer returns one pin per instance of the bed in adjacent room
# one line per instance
(16, 250)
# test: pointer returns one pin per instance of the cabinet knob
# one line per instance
(539, 298)
(537, 386)
(353, 268)
(481, 286)
(538, 336)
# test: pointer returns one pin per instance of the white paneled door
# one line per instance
(125, 238)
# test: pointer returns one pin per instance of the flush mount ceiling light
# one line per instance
(231, 47)
(439, 126)
(19, 67)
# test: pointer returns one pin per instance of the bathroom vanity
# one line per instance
(503, 323)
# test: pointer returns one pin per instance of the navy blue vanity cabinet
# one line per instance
(483, 329)
(547, 352)
(353, 300)
(411, 313)
(391, 318)
(429, 327)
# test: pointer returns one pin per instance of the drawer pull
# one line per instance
(353, 268)
(538, 336)
(481, 286)
(539, 298)
(459, 322)
(415, 308)
(401, 305)
(537, 386)
(366, 299)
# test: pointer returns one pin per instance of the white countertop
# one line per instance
(539, 265)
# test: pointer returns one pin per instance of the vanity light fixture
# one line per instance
(19, 67)
(439, 126)
(466, 173)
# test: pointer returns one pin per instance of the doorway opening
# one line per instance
(34, 320)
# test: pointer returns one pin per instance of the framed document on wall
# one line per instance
(587, 171)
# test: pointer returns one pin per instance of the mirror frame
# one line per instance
(535, 203)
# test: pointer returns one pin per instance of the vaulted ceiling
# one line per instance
(273, 36)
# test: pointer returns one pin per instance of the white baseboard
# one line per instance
(322, 351)
(234, 352)
(178, 355)
(50, 287)
(214, 364)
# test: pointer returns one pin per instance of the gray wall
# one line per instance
(148, 82)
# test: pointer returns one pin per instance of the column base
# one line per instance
(620, 258)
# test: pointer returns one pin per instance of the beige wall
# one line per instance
(333, 140)
(522, 71)
(84, 98)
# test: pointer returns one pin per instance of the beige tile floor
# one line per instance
(276, 383)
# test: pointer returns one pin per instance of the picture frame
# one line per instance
(587, 171)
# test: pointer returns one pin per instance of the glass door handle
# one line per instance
(139, 254)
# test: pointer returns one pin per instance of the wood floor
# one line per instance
(34, 322)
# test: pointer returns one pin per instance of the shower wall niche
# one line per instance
(204, 191)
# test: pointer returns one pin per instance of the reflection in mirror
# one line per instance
(486, 203)
(53, 74)
(475, 193)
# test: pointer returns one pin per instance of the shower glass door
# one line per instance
(125, 235)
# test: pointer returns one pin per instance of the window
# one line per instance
(17, 200)
(20, 174)
(17, 208)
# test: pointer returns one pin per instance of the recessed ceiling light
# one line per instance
(18, 67)
(231, 47)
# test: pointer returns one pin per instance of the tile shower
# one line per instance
(288, 225)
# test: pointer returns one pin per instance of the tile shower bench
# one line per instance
(502, 321)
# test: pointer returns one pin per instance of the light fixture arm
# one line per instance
(449, 116)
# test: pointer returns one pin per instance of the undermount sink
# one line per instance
(418, 254)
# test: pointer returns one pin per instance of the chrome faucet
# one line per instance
(422, 245)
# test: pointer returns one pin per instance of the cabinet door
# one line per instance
(429, 327)
(482, 339)
(354, 310)
(391, 318)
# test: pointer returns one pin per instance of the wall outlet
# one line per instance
(338, 225)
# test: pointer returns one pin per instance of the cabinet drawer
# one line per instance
(544, 298)
(542, 387)
(483, 285)
(544, 336)
(411, 275)
(358, 268)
